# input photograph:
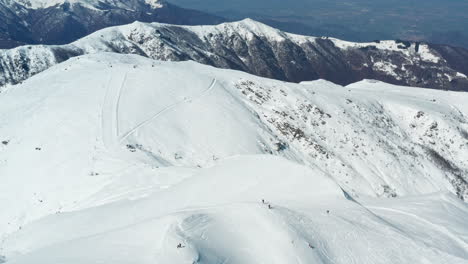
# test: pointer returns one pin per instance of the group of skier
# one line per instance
(268, 204)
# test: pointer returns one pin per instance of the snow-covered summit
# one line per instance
(248, 28)
(155, 3)
(423, 49)
(118, 114)
(120, 158)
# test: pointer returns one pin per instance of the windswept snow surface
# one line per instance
(112, 158)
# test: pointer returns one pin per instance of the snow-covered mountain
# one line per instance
(258, 49)
(120, 158)
(63, 21)
(95, 4)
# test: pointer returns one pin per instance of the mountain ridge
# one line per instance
(256, 48)
(42, 4)
(64, 21)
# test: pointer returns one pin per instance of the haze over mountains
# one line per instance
(434, 21)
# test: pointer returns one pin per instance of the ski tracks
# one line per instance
(437, 227)
(110, 111)
(159, 113)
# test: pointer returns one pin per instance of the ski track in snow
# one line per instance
(110, 112)
(197, 206)
(117, 105)
(155, 116)
(441, 229)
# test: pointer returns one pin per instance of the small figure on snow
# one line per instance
(263, 201)
(269, 206)
(328, 211)
(312, 247)
(180, 245)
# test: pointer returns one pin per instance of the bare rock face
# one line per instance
(261, 50)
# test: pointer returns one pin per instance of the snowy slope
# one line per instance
(256, 48)
(119, 157)
(217, 217)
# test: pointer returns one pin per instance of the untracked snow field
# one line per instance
(111, 158)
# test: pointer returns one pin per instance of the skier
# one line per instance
(269, 206)
(263, 201)
(179, 245)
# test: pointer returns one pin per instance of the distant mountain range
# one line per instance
(432, 21)
(64, 21)
(253, 47)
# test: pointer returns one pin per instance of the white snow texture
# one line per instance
(110, 158)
